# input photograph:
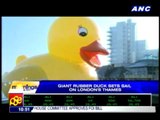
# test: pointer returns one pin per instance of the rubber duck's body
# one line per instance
(59, 69)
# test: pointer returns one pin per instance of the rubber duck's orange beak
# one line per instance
(89, 53)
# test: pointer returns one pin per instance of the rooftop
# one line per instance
(145, 63)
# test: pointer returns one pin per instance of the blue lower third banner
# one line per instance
(98, 87)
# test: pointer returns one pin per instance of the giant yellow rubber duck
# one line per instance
(73, 44)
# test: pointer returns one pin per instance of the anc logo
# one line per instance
(15, 100)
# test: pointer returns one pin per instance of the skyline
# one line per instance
(28, 35)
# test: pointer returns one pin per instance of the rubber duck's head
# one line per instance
(75, 39)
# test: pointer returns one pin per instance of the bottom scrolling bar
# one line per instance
(85, 109)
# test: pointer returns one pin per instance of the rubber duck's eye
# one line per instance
(82, 31)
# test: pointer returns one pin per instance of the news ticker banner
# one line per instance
(84, 87)
(84, 109)
(20, 102)
(82, 96)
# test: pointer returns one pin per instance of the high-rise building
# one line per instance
(140, 49)
(143, 53)
(122, 43)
